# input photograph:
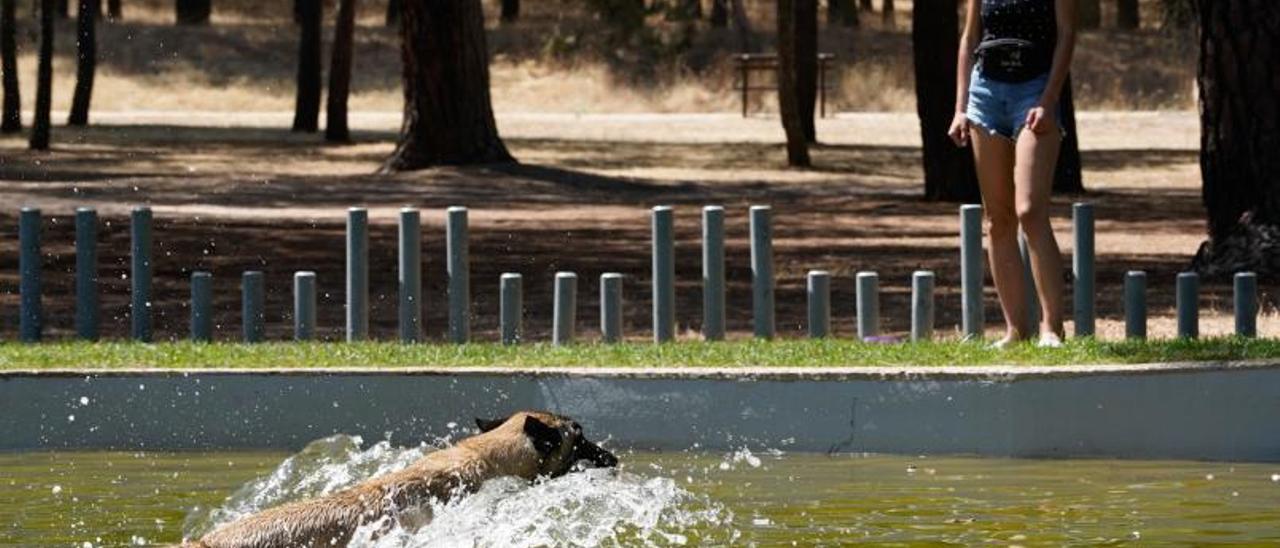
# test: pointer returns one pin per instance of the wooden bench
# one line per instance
(747, 63)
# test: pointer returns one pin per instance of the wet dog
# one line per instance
(527, 444)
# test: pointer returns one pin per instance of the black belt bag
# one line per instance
(1012, 60)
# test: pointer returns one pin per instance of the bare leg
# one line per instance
(1037, 156)
(994, 156)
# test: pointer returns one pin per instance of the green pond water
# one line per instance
(763, 498)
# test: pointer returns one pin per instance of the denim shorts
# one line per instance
(1001, 107)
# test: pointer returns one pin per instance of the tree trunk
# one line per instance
(11, 120)
(1067, 177)
(62, 8)
(114, 11)
(335, 129)
(949, 172)
(1089, 13)
(788, 86)
(741, 21)
(719, 13)
(1240, 135)
(842, 12)
(448, 115)
(393, 12)
(848, 13)
(44, 79)
(866, 5)
(1127, 16)
(86, 61)
(193, 12)
(306, 113)
(806, 67)
(890, 15)
(510, 11)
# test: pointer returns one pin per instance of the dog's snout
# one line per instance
(596, 455)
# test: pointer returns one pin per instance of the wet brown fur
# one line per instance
(332, 520)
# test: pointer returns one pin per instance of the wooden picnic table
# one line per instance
(747, 63)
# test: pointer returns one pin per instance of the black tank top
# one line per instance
(1035, 21)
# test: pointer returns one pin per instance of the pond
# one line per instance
(761, 496)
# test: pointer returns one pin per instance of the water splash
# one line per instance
(590, 508)
(324, 466)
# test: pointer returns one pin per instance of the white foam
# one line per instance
(589, 508)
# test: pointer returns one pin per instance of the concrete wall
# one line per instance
(1218, 412)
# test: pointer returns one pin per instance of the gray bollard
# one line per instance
(87, 274)
(511, 307)
(1135, 304)
(762, 272)
(664, 275)
(410, 275)
(565, 314)
(140, 257)
(819, 289)
(1188, 295)
(921, 305)
(459, 268)
(1083, 293)
(304, 306)
(971, 272)
(713, 292)
(868, 305)
(201, 306)
(1030, 296)
(31, 314)
(357, 274)
(1246, 304)
(611, 307)
(252, 316)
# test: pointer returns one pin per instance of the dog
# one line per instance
(528, 444)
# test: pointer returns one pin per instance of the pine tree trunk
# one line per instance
(889, 14)
(866, 5)
(335, 129)
(1127, 14)
(1089, 13)
(44, 79)
(1067, 176)
(393, 12)
(842, 12)
(719, 13)
(62, 8)
(193, 12)
(1240, 135)
(306, 113)
(510, 11)
(949, 172)
(448, 115)
(114, 11)
(788, 87)
(742, 22)
(86, 61)
(806, 64)
(11, 120)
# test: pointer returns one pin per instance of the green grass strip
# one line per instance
(801, 353)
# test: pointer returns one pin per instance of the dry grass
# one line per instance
(245, 61)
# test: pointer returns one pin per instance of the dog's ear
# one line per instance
(545, 438)
(486, 425)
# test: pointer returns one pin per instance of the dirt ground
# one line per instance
(235, 192)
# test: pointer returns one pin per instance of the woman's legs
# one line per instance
(994, 156)
(1037, 157)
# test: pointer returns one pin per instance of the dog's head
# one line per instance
(558, 441)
